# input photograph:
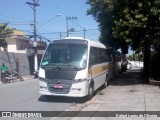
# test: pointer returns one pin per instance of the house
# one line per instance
(17, 43)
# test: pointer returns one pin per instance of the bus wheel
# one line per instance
(90, 92)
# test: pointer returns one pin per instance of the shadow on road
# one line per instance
(131, 77)
(59, 99)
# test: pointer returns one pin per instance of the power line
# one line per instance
(51, 3)
(85, 32)
(15, 18)
(20, 24)
(41, 37)
(72, 32)
(52, 33)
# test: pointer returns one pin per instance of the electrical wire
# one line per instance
(15, 18)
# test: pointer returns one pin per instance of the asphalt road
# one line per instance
(24, 96)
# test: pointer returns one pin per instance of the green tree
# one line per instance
(139, 26)
(138, 57)
(126, 23)
(4, 33)
(105, 13)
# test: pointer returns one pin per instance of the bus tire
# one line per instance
(90, 91)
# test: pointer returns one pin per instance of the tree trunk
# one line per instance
(147, 56)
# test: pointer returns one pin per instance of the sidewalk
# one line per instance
(28, 77)
(126, 93)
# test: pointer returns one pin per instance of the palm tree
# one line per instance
(4, 33)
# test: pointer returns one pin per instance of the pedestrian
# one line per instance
(124, 65)
(4, 71)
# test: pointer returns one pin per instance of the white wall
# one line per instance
(137, 63)
(11, 44)
(15, 44)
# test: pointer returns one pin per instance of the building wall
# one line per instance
(17, 44)
(11, 44)
(10, 61)
(21, 44)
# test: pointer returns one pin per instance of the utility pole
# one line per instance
(67, 26)
(60, 35)
(84, 33)
(33, 6)
(69, 18)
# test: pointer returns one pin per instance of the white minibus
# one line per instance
(73, 67)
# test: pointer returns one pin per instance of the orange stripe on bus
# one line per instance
(98, 70)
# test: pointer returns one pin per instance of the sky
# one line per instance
(20, 16)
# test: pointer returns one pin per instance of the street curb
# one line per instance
(74, 108)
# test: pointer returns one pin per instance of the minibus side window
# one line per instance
(91, 57)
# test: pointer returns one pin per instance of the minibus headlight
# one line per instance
(79, 80)
(42, 79)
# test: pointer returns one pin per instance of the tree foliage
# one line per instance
(4, 33)
(135, 57)
(106, 12)
(125, 23)
(139, 26)
(139, 23)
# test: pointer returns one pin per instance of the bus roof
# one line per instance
(80, 40)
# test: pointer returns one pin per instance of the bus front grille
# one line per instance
(65, 86)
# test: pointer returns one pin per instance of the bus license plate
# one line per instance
(58, 86)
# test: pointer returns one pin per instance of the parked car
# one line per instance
(129, 66)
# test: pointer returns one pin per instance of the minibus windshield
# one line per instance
(66, 55)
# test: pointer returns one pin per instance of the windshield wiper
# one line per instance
(71, 66)
(52, 65)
